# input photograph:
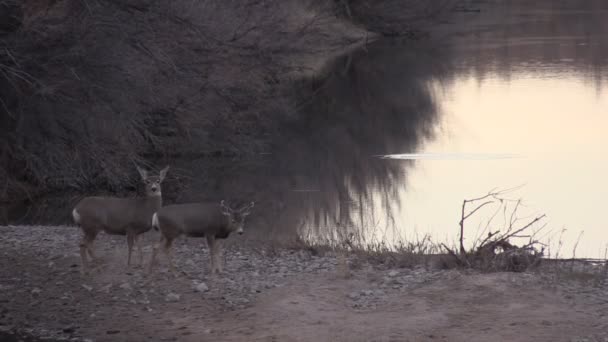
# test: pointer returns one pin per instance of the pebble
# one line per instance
(354, 295)
(201, 287)
(172, 297)
(126, 286)
(68, 330)
(106, 288)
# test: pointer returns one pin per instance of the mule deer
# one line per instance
(118, 216)
(215, 221)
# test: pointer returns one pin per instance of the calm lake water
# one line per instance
(518, 97)
(527, 104)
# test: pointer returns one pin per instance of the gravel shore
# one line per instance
(272, 294)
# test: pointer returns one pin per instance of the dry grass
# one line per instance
(492, 251)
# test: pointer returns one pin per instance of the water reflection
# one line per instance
(322, 176)
(518, 100)
(530, 80)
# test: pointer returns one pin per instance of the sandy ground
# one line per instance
(275, 295)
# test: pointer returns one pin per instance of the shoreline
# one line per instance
(44, 294)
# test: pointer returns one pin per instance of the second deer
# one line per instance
(215, 221)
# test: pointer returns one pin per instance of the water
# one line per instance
(514, 95)
(527, 104)
(517, 97)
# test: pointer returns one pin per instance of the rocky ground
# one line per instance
(274, 295)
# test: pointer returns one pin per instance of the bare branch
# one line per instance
(476, 209)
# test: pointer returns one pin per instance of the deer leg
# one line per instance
(83, 256)
(84, 247)
(212, 251)
(219, 252)
(91, 252)
(130, 241)
(155, 252)
(140, 252)
(89, 244)
(169, 253)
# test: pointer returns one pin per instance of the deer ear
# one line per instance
(163, 173)
(225, 209)
(143, 173)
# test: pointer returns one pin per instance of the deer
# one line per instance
(118, 216)
(212, 220)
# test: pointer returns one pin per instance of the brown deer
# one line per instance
(215, 221)
(118, 216)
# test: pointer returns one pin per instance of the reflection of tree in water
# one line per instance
(373, 102)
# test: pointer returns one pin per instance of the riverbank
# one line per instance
(277, 294)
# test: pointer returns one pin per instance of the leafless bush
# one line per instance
(495, 251)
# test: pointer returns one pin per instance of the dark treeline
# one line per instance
(89, 88)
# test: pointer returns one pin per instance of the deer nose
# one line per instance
(240, 232)
(153, 189)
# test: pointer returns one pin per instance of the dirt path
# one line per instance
(278, 296)
(498, 307)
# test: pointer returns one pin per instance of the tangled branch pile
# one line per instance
(495, 251)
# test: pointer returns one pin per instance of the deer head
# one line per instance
(153, 183)
(236, 218)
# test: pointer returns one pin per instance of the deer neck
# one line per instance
(153, 202)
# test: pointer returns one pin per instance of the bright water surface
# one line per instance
(527, 104)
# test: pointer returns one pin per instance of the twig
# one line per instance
(490, 235)
(456, 256)
(476, 209)
(505, 237)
